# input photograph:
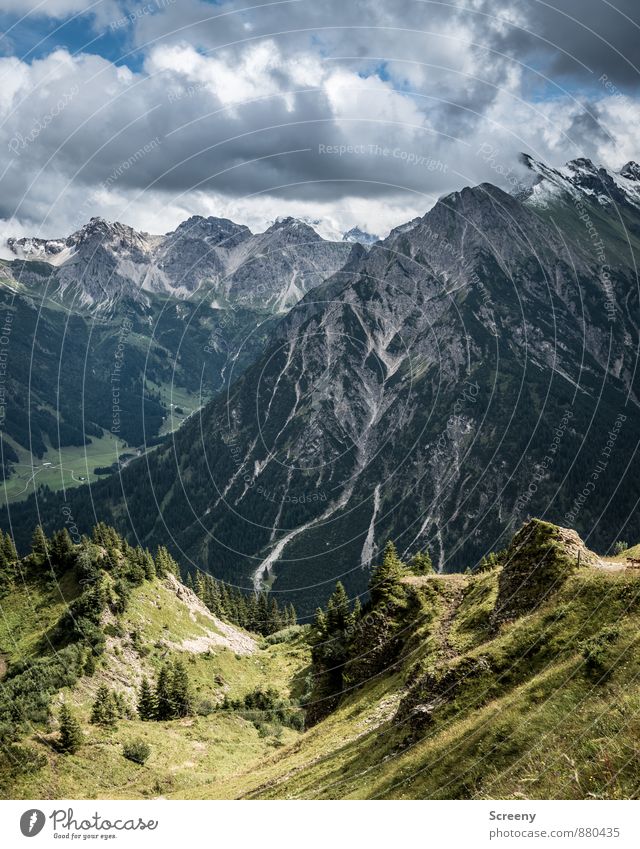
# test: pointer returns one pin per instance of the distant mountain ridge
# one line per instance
(221, 261)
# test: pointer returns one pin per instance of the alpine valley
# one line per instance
(472, 368)
(322, 579)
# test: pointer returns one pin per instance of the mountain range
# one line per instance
(436, 387)
(189, 306)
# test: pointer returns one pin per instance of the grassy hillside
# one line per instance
(521, 681)
(162, 620)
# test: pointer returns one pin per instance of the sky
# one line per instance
(352, 113)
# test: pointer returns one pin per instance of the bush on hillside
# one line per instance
(137, 751)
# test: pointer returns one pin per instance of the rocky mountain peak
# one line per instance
(293, 230)
(631, 171)
(358, 235)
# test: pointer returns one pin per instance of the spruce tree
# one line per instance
(182, 700)
(61, 550)
(39, 542)
(320, 622)
(291, 615)
(164, 694)
(338, 609)
(385, 584)
(9, 549)
(148, 565)
(71, 737)
(421, 563)
(105, 708)
(147, 707)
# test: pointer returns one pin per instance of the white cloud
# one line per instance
(239, 109)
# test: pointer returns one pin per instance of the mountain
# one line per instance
(223, 262)
(517, 682)
(162, 321)
(475, 366)
(358, 235)
(580, 178)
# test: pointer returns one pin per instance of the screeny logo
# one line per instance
(32, 822)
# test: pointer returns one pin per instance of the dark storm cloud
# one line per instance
(581, 39)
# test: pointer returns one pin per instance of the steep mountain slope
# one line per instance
(476, 366)
(543, 706)
(518, 682)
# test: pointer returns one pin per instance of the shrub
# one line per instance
(596, 652)
(205, 707)
(620, 546)
(137, 751)
(24, 760)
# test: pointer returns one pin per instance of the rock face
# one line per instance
(474, 367)
(536, 564)
(213, 259)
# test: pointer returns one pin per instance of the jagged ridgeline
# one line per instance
(475, 367)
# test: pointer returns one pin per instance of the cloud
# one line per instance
(361, 113)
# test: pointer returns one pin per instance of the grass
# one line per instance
(28, 613)
(515, 712)
(60, 468)
(73, 465)
(197, 751)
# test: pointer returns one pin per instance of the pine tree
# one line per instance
(9, 549)
(182, 700)
(105, 709)
(385, 584)
(148, 565)
(71, 737)
(39, 542)
(163, 694)
(421, 563)
(147, 706)
(338, 609)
